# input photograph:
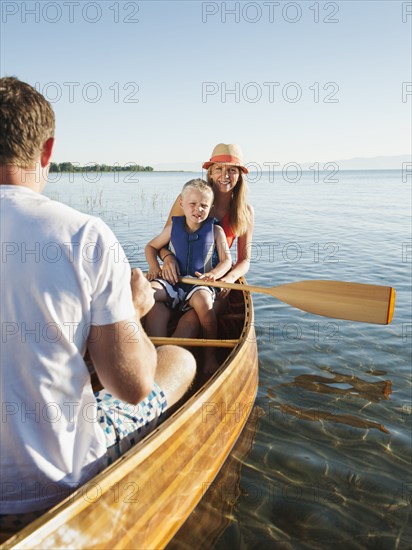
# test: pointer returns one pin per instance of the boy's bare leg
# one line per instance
(157, 319)
(188, 325)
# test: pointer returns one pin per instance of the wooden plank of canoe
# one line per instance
(214, 512)
(194, 342)
(143, 498)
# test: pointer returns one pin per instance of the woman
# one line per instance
(225, 172)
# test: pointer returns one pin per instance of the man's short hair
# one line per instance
(26, 123)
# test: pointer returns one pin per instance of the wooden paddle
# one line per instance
(341, 300)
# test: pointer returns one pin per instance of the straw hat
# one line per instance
(227, 154)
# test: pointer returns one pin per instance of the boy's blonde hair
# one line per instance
(199, 185)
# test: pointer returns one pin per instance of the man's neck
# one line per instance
(33, 178)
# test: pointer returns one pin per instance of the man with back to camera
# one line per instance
(64, 290)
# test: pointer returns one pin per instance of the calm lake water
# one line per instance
(327, 462)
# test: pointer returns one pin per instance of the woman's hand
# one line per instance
(153, 274)
(205, 276)
(170, 269)
(224, 292)
(228, 278)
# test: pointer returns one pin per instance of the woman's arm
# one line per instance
(151, 252)
(170, 266)
(176, 210)
(244, 244)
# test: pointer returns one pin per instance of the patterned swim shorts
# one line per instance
(125, 424)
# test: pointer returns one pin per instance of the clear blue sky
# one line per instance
(95, 59)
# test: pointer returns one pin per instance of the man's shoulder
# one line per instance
(32, 205)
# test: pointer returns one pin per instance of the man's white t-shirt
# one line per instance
(61, 271)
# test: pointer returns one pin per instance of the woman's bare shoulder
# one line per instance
(176, 210)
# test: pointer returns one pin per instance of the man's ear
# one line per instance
(47, 152)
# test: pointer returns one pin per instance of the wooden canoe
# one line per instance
(143, 498)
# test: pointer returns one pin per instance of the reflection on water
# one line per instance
(372, 391)
(354, 386)
(318, 416)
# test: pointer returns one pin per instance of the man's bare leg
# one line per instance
(175, 372)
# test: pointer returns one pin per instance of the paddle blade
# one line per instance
(341, 300)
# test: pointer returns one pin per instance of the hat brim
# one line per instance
(209, 163)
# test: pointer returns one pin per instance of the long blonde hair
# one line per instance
(240, 217)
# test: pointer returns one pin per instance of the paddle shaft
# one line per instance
(337, 299)
(229, 286)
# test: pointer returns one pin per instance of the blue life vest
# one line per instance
(193, 251)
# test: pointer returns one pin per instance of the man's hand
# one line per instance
(142, 292)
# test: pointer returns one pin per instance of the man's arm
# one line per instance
(122, 354)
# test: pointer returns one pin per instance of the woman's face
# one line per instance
(224, 177)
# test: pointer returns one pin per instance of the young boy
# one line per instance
(194, 239)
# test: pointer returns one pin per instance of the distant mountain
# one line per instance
(356, 163)
(179, 166)
(369, 163)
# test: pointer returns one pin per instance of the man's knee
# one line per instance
(183, 361)
(176, 370)
(178, 362)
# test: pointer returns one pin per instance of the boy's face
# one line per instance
(196, 205)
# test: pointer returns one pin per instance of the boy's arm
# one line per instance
(225, 259)
(151, 250)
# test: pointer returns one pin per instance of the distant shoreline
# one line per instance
(117, 171)
(69, 167)
(200, 171)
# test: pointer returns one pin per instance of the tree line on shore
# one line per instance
(70, 167)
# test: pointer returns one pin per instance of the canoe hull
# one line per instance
(142, 499)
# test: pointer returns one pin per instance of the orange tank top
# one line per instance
(225, 223)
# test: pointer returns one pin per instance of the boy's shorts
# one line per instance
(179, 295)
